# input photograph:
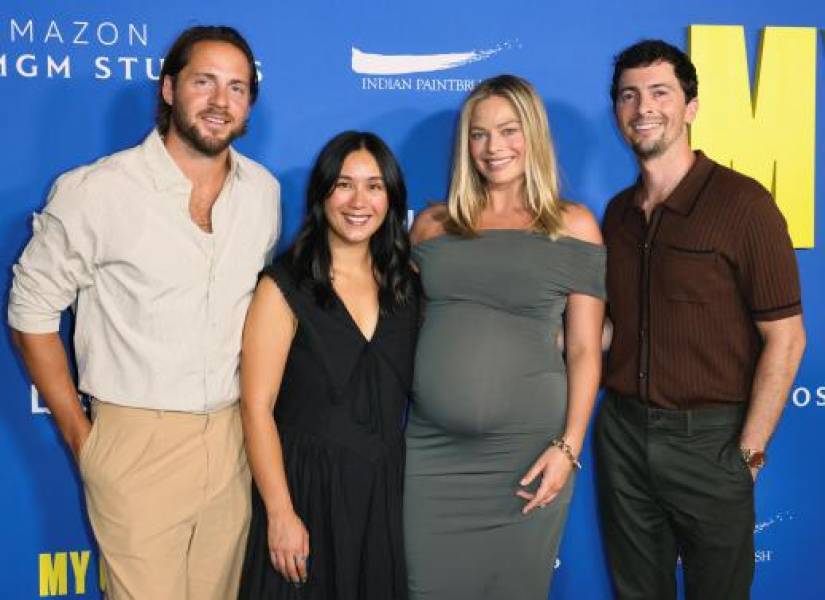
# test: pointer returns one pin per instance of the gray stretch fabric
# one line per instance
(489, 394)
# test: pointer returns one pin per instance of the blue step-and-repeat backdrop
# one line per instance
(78, 80)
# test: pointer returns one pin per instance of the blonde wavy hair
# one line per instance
(468, 193)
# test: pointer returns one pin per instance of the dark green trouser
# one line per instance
(671, 484)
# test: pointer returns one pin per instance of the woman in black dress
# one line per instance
(328, 345)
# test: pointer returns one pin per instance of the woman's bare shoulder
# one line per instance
(429, 223)
(579, 223)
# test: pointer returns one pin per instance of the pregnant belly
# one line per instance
(484, 371)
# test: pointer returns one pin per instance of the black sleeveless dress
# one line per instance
(339, 412)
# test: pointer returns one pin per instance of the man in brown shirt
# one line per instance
(705, 302)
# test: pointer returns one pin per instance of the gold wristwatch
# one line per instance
(755, 459)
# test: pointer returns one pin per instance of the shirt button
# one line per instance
(642, 375)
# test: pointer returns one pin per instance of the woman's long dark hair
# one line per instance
(389, 245)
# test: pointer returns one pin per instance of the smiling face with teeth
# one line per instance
(651, 110)
(210, 97)
(497, 144)
(358, 203)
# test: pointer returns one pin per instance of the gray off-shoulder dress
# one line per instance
(489, 393)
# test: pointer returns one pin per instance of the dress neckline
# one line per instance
(353, 323)
(493, 232)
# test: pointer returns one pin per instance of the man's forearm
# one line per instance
(48, 366)
(774, 375)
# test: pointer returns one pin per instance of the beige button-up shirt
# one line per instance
(160, 304)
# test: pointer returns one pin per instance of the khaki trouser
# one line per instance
(168, 499)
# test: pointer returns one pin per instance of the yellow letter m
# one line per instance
(54, 575)
(770, 137)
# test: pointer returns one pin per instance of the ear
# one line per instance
(691, 109)
(168, 89)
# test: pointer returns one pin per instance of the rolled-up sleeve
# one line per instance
(57, 262)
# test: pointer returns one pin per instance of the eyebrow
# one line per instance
(636, 88)
(502, 124)
(213, 77)
(370, 178)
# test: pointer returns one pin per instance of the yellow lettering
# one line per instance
(54, 574)
(770, 137)
(80, 563)
(101, 574)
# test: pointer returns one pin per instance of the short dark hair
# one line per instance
(311, 259)
(648, 52)
(181, 51)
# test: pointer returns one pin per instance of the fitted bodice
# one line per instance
(493, 307)
(522, 273)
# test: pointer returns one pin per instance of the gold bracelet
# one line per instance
(565, 448)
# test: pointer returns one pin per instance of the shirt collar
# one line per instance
(165, 170)
(687, 192)
(684, 195)
(234, 164)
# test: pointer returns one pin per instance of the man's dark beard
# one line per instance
(649, 152)
(208, 146)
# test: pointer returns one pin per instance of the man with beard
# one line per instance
(705, 302)
(159, 246)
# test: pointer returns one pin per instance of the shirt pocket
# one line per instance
(696, 276)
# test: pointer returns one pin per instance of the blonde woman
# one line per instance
(499, 416)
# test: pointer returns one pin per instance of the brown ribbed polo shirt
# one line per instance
(686, 289)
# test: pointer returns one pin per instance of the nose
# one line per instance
(219, 96)
(494, 142)
(645, 103)
(359, 196)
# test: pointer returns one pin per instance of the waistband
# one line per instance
(677, 420)
(132, 412)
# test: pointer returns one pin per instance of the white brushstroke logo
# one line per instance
(398, 64)
(777, 518)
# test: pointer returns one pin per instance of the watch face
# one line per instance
(756, 460)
